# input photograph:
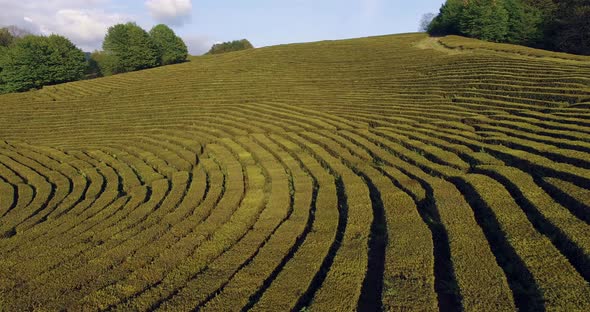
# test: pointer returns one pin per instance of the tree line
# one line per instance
(230, 46)
(31, 61)
(128, 47)
(562, 25)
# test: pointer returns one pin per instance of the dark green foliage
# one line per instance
(3, 51)
(93, 70)
(557, 25)
(10, 34)
(6, 37)
(171, 48)
(485, 19)
(101, 64)
(35, 61)
(525, 26)
(425, 21)
(128, 48)
(67, 62)
(571, 30)
(230, 46)
(448, 20)
(546, 7)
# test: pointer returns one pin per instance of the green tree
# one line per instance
(66, 61)
(448, 20)
(100, 64)
(128, 48)
(93, 70)
(425, 21)
(3, 52)
(6, 38)
(547, 8)
(525, 23)
(171, 48)
(559, 25)
(230, 46)
(486, 20)
(571, 29)
(35, 61)
(10, 34)
(513, 21)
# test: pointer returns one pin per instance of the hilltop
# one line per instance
(350, 73)
(396, 172)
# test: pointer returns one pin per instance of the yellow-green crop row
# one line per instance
(389, 173)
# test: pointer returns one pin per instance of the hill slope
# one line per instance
(395, 172)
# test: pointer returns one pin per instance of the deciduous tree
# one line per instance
(129, 48)
(6, 38)
(171, 48)
(425, 21)
(35, 61)
(571, 31)
(485, 19)
(447, 22)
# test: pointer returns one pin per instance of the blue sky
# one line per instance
(204, 22)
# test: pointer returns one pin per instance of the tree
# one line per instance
(129, 48)
(425, 21)
(485, 19)
(6, 38)
(100, 64)
(571, 30)
(547, 8)
(10, 34)
(3, 52)
(230, 46)
(25, 64)
(171, 48)
(66, 61)
(35, 61)
(525, 23)
(94, 67)
(448, 20)
(559, 25)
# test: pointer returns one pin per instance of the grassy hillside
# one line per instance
(396, 172)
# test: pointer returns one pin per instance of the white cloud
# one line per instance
(84, 26)
(198, 45)
(173, 12)
(85, 22)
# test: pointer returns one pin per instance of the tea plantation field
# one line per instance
(393, 173)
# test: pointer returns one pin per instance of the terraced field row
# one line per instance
(369, 174)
